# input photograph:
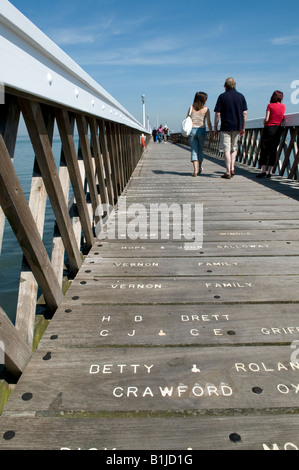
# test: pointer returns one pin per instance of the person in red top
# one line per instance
(271, 134)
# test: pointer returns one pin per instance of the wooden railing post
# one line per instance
(113, 160)
(66, 136)
(104, 146)
(293, 134)
(87, 158)
(39, 137)
(9, 122)
(98, 160)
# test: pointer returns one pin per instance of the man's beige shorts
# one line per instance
(229, 141)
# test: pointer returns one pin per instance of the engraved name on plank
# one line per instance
(177, 391)
(192, 325)
(185, 319)
(197, 387)
(225, 285)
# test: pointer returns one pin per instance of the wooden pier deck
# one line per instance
(160, 347)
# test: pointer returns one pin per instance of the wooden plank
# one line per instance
(149, 248)
(95, 326)
(155, 210)
(147, 434)
(95, 268)
(176, 380)
(184, 290)
(232, 236)
(187, 234)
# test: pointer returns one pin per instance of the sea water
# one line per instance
(11, 255)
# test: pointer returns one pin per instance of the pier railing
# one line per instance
(287, 160)
(100, 145)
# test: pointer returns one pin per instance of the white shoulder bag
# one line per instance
(187, 124)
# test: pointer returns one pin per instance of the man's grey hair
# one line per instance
(230, 83)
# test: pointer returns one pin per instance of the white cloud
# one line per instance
(286, 40)
(70, 36)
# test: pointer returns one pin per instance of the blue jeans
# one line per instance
(197, 140)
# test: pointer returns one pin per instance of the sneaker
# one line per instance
(261, 175)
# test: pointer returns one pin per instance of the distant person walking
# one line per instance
(200, 116)
(166, 131)
(154, 134)
(231, 108)
(271, 134)
(160, 133)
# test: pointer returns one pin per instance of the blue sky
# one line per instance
(170, 50)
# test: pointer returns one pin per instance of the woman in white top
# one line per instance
(200, 116)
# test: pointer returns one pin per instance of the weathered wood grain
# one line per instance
(13, 348)
(96, 267)
(168, 290)
(144, 248)
(91, 326)
(156, 380)
(186, 434)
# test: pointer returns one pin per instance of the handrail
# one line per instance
(288, 121)
(100, 147)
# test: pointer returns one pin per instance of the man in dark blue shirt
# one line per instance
(231, 108)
